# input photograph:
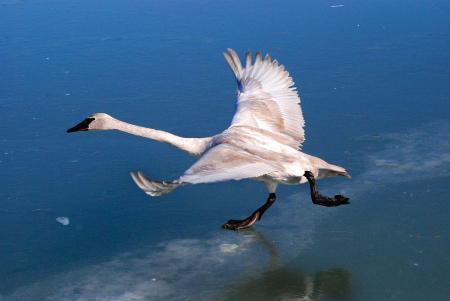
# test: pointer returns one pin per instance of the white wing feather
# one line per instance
(222, 162)
(151, 187)
(267, 98)
(225, 162)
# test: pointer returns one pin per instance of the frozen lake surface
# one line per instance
(373, 79)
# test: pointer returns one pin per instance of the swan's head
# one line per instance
(97, 121)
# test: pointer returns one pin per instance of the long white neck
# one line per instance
(193, 146)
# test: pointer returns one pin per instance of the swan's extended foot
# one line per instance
(234, 224)
(322, 200)
(331, 202)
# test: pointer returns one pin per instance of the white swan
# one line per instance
(262, 143)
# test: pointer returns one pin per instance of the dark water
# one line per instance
(374, 82)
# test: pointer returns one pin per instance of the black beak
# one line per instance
(82, 126)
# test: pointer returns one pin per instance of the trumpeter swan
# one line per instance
(262, 143)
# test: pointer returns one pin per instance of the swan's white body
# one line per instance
(263, 141)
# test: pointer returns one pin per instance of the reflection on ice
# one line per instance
(291, 284)
(278, 281)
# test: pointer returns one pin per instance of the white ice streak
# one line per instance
(420, 154)
(173, 270)
(228, 248)
(417, 155)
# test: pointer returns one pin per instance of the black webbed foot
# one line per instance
(337, 200)
(234, 224)
(322, 200)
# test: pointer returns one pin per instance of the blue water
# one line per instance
(374, 81)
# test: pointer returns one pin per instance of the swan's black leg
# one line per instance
(319, 199)
(233, 224)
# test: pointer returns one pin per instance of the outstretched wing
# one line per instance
(267, 97)
(222, 162)
(225, 162)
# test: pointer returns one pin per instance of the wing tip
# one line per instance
(234, 62)
(153, 188)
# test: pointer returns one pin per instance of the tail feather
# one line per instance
(153, 188)
(333, 170)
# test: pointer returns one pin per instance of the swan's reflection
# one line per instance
(278, 281)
